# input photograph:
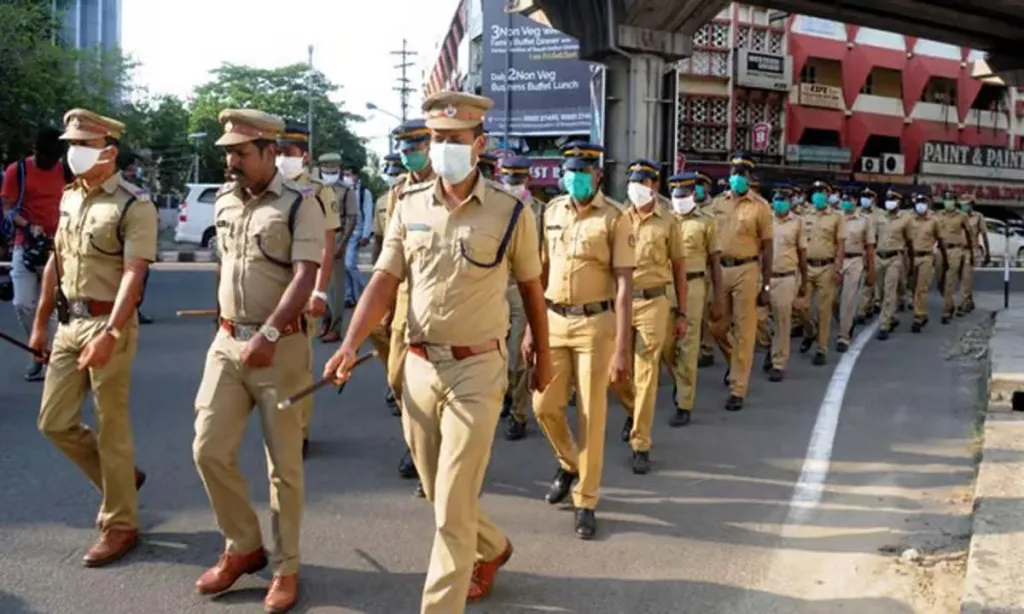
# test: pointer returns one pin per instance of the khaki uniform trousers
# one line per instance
(580, 345)
(227, 395)
(967, 280)
(904, 290)
(336, 296)
(737, 345)
(450, 410)
(707, 340)
(518, 372)
(870, 297)
(956, 259)
(398, 350)
(889, 272)
(852, 291)
(106, 457)
(924, 268)
(681, 354)
(821, 284)
(783, 294)
(639, 395)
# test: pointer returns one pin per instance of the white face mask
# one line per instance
(683, 205)
(520, 191)
(921, 208)
(391, 180)
(639, 194)
(452, 161)
(81, 159)
(798, 200)
(290, 167)
(866, 202)
(891, 204)
(348, 181)
(833, 199)
(330, 178)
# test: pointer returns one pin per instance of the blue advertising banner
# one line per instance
(535, 73)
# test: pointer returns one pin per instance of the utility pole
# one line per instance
(403, 88)
(309, 94)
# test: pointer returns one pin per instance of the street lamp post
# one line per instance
(195, 137)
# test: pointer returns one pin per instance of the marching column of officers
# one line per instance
(480, 294)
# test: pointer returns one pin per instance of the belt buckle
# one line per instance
(575, 310)
(79, 309)
(438, 353)
(245, 332)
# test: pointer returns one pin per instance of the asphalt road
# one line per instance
(706, 532)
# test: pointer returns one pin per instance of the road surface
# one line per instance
(717, 528)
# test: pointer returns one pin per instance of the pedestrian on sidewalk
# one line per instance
(361, 237)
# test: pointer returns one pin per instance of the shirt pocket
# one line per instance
(421, 248)
(652, 248)
(591, 244)
(270, 240)
(224, 227)
(100, 237)
(746, 222)
(478, 251)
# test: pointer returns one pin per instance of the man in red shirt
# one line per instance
(34, 210)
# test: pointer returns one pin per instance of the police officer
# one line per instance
(798, 200)
(660, 269)
(870, 208)
(455, 239)
(700, 254)
(858, 264)
(515, 176)
(789, 267)
(924, 236)
(589, 255)
(956, 235)
(348, 214)
(825, 230)
(746, 234)
(894, 241)
(978, 230)
(292, 158)
(106, 239)
(271, 242)
(702, 196)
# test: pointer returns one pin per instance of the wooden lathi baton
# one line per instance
(323, 383)
(196, 313)
(22, 346)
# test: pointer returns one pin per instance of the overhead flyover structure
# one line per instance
(640, 40)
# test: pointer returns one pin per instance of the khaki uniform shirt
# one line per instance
(743, 222)
(257, 249)
(659, 242)
(96, 236)
(582, 248)
(893, 231)
(536, 207)
(824, 230)
(325, 197)
(348, 207)
(860, 233)
(700, 239)
(953, 228)
(456, 298)
(789, 238)
(976, 225)
(394, 195)
(380, 215)
(924, 232)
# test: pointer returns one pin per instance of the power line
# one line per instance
(403, 88)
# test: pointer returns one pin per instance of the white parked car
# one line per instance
(195, 216)
(997, 241)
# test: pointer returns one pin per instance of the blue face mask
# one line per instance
(819, 200)
(699, 193)
(846, 205)
(414, 160)
(578, 184)
(738, 184)
(781, 206)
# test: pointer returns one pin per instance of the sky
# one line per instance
(178, 43)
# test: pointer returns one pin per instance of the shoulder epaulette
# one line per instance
(137, 192)
(225, 188)
(304, 190)
(413, 188)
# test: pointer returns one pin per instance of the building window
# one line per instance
(867, 88)
(809, 74)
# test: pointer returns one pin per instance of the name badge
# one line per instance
(418, 227)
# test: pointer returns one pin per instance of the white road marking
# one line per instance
(811, 483)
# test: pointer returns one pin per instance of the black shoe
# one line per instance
(406, 468)
(960, 312)
(641, 462)
(389, 400)
(506, 407)
(627, 429)
(860, 320)
(705, 360)
(776, 375)
(35, 372)
(842, 346)
(819, 359)
(882, 334)
(305, 447)
(901, 307)
(680, 418)
(419, 492)
(586, 524)
(915, 327)
(725, 378)
(572, 400)
(560, 486)
(733, 403)
(144, 320)
(766, 366)
(895, 323)
(514, 429)
(805, 345)
(947, 319)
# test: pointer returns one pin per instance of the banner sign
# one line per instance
(972, 161)
(763, 71)
(822, 96)
(538, 68)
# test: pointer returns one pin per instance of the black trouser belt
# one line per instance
(733, 262)
(854, 255)
(694, 275)
(955, 245)
(922, 253)
(820, 261)
(785, 274)
(649, 293)
(889, 254)
(587, 309)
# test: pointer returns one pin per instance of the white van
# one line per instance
(195, 215)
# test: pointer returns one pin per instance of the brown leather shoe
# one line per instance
(282, 594)
(484, 573)
(112, 544)
(227, 571)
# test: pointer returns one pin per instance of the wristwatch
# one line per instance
(320, 295)
(270, 333)
(680, 314)
(113, 332)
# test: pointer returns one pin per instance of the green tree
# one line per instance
(283, 91)
(157, 129)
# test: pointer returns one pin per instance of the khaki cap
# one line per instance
(455, 110)
(330, 158)
(84, 125)
(244, 125)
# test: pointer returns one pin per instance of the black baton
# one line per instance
(21, 346)
(323, 383)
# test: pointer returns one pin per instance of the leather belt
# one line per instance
(649, 293)
(785, 274)
(854, 255)
(431, 352)
(241, 331)
(922, 253)
(888, 254)
(961, 245)
(586, 309)
(734, 262)
(694, 275)
(88, 308)
(820, 261)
